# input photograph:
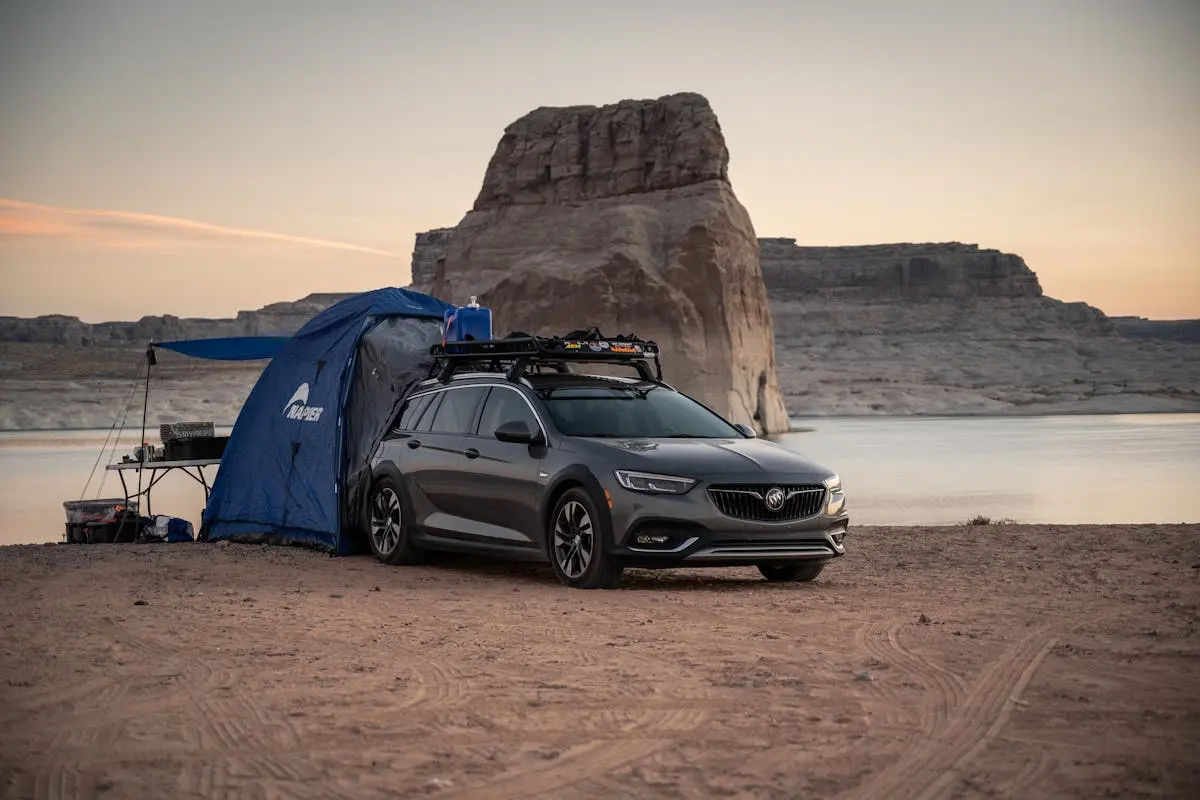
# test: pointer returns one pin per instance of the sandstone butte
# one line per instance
(622, 217)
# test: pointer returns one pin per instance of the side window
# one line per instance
(412, 412)
(423, 420)
(504, 405)
(456, 414)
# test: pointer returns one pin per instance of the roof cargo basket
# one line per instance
(519, 352)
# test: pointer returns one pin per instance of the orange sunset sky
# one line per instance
(197, 158)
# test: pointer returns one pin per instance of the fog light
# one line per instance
(837, 537)
(654, 541)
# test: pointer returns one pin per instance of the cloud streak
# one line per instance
(19, 219)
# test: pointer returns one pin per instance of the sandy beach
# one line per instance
(998, 661)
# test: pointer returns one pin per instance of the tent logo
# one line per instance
(298, 407)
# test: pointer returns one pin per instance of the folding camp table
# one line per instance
(158, 470)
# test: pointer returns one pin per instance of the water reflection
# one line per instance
(897, 471)
(1074, 469)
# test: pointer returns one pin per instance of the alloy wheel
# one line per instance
(386, 519)
(574, 539)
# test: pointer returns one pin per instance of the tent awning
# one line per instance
(228, 348)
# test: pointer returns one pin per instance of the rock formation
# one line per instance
(1167, 330)
(895, 271)
(276, 319)
(953, 329)
(622, 217)
(429, 252)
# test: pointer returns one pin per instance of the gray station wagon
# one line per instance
(512, 451)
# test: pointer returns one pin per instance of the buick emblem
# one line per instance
(774, 498)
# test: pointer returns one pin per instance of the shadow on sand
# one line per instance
(538, 574)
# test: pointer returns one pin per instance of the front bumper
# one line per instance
(689, 530)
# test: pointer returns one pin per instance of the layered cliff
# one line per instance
(895, 271)
(276, 319)
(951, 328)
(1167, 330)
(429, 252)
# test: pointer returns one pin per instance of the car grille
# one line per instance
(749, 501)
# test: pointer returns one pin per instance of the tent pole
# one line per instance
(145, 404)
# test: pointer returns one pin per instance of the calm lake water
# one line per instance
(897, 471)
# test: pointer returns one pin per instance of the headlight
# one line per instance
(653, 484)
(837, 498)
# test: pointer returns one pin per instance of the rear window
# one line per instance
(412, 411)
(456, 414)
(424, 418)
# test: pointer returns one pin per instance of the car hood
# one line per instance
(700, 458)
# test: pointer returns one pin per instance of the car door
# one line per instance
(501, 477)
(438, 443)
(424, 458)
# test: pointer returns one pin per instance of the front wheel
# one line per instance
(796, 571)
(578, 545)
(389, 527)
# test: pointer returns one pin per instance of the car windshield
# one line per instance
(633, 412)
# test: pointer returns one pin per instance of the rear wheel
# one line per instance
(796, 571)
(388, 529)
(578, 544)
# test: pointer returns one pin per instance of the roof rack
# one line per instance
(521, 352)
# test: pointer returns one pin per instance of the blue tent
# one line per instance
(296, 462)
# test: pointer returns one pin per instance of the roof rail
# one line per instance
(517, 353)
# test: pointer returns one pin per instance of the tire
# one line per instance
(794, 572)
(578, 544)
(388, 532)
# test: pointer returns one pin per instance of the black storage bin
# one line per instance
(122, 529)
(196, 449)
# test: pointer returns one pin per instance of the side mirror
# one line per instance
(517, 432)
(746, 430)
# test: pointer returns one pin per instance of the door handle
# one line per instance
(471, 452)
(413, 443)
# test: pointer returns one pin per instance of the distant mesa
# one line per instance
(276, 319)
(1166, 330)
(949, 269)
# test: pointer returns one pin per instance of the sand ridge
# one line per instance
(1015, 661)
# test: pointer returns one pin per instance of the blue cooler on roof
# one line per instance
(467, 323)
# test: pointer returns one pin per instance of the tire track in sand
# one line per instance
(934, 764)
(66, 783)
(1038, 763)
(881, 641)
(653, 725)
(101, 710)
(587, 761)
(613, 705)
(654, 730)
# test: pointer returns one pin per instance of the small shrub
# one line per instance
(980, 519)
